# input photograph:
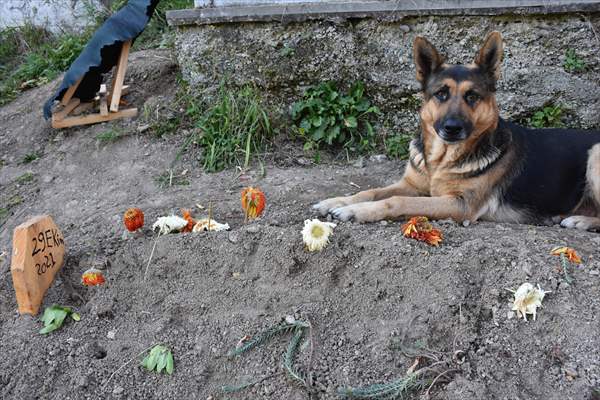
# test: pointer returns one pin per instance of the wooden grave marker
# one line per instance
(38, 254)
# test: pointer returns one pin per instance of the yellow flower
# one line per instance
(527, 299)
(315, 234)
(568, 252)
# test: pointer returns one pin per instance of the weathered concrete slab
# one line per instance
(389, 10)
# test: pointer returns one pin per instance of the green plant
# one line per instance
(298, 330)
(397, 146)
(287, 51)
(572, 62)
(109, 135)
(397, 389)
(327, 116)
(30, 157)
(168, 179)
(549, 116)
(54, 316)
(159, 358)
(26, 178)
(233, 128)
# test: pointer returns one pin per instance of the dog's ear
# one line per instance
(489, 57)
(427, 59)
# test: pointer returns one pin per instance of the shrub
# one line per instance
(327, 116)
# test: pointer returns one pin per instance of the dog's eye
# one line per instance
(442, 94)
(471, 98)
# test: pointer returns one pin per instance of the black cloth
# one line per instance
(103, 50)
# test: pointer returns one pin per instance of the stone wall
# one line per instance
(55, 15)
(284, 59)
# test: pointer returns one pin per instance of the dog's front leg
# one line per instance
(400, 206)
(401, 188)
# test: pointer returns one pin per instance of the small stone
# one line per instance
(594, 272)
(383, 223)
(404, 28)
(111, 335)
(378, 158)
(360, 163)
(510, 315)
(253, 229)
(466, 223)
(233, 237)
(118, 390)
(143, 128)
(47, 179)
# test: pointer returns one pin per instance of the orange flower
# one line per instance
(187, 215)
(253, 202)
(133, 219)
(569, 253)
(420, 228)
(92, 277)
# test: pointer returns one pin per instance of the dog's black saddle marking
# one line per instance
(550, 176)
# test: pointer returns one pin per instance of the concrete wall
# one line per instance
(55, 15)
(283, 59)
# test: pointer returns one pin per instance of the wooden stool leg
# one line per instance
(119, 77)
(70, 92)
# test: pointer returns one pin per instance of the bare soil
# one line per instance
(368, 291)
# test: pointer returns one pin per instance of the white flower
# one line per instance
(527, 299)
(169, 224)
(203, 225)
(315, 234)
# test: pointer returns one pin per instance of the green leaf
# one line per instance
(317, 121)
(306, 125)
(351, 122)
(76, 316)
(169, 363)
(162, 362)
(152, 360)
(318, 133)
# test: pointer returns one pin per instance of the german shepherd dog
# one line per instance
(469, 164)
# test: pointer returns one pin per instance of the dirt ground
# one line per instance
(367, 292)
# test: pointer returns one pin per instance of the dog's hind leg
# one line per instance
(583, 222)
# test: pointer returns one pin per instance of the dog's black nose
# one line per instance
(453, 127)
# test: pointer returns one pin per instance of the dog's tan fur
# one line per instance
(435, 184)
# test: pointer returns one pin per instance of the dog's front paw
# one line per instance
(326, 206)
(360, 212)
(581, 222)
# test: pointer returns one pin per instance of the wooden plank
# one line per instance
(82, 108)
(38, 254)
(103, 106)
(70, 92)
(94, 118)
(119, 77)
(380, 9)
(57, 116)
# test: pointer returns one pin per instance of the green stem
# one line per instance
(565, 267)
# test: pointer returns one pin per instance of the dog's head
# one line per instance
(460, 100)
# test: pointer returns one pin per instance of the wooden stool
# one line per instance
(70, 105)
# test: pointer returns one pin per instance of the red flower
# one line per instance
(133, 219)
(187, 215)
(569, 253)
(420, 228)
(253, 202)
(92, 277)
